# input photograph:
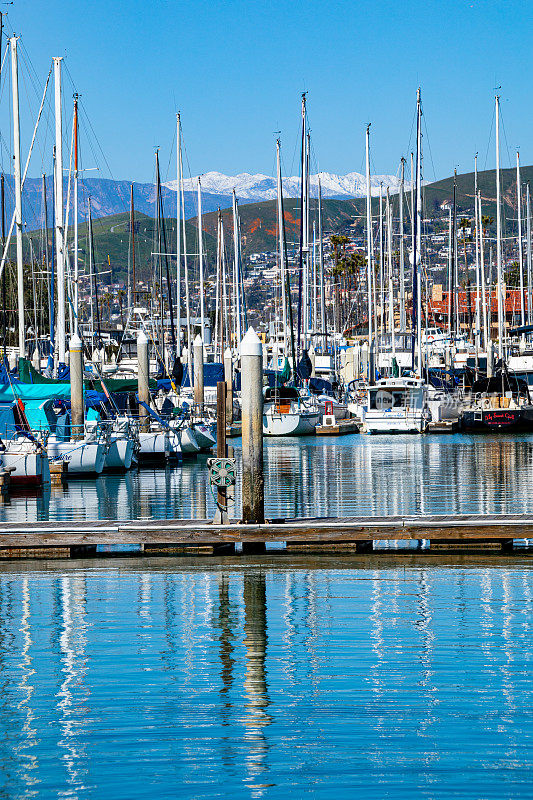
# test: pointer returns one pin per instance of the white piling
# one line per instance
(228, 377)
(253, 488)
(198, 351)
(143, 378)
(76, 388)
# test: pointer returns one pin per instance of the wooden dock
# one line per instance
(341, 428)
(234, 431)
(44, 539)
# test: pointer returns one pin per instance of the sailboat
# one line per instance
(285, 411)
(400, 404)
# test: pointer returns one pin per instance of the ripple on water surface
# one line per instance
(318, 477)
(207, 679)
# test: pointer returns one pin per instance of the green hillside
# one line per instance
(259, 223)
(259, 219)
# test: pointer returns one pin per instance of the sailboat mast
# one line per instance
(520, 247)
(218, 292)
(402, 251)
(237, 267)
(60, 248)
(178, 230)
(201, 260)
(390, 275)
(281, 244)
(450, 274)
(499, 272)
(4, 298)
(18, 195)
(132, 239)
(528, 254)
(302, 219)
(486, 332)
(381, 260)
(416, 347)
(186, 280)
(478, 304)
(456, 324)
(76, 266)
(321, 269)
(369, 248)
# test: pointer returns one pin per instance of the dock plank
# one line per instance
(463, 527)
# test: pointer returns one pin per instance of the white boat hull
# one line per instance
(203, 436)
(298, 423)
(81, 457)
(120, 453)
(394, 422)
(30, 466)
(154, 446)
(189, 442)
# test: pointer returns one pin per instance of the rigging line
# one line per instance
(428, 147)
(489, 140)
(6, 243)
(171, 152)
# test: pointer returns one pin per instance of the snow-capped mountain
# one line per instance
(254, 188)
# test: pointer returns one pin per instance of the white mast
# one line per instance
(218, 291)
(92, 283)
(186, 279)
(321, 265)
(476, 223)
(178, 228)
(369, 248)
(417, 267)
(528, 253)
(201, 260)
(381, 252)
(402, 252)
(281, 241)
(305, 232)
(499, 273)
(520, 248)
(486, 333)
(76, 266)
(60, 249)
(237, 263)
(389, 265)
(315, 287)
(451, 286)
(18, 194)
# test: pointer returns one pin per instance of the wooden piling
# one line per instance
(58, 473)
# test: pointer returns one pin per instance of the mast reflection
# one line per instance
(255, 682)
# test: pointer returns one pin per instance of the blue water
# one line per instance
(318, 477)
(375, 676)
(274, 678)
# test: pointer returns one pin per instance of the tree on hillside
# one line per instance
(464, 225)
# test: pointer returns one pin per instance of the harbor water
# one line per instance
(381, 675)
(327, 476)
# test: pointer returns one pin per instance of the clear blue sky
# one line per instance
(236, 69)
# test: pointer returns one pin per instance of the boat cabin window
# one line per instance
(382, 399)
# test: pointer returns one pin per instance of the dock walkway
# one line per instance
(360, 532)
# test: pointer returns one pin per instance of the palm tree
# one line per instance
(121, 294)
(464, 225)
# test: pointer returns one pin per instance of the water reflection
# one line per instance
(255, 681)
(225, 681)
(308, 477)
